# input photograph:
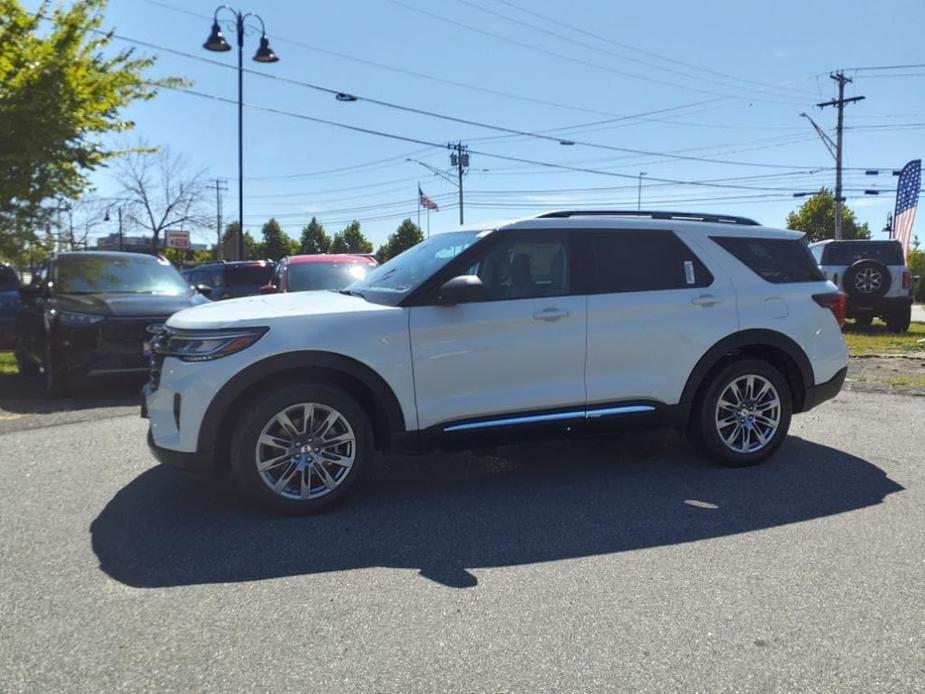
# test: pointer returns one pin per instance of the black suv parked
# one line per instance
(88, 314)
(229, 280)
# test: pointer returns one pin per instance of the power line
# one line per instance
(572, 59)
(558, 35)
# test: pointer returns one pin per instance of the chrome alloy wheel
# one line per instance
(748, 413)
(868, 280)
(305, 451)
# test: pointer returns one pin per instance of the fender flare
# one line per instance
(756, 337)
(228, 395)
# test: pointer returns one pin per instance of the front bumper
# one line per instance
(199, 461)
(824, 391)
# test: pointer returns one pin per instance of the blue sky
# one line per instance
(721, 80)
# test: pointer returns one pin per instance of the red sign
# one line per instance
(177, 239)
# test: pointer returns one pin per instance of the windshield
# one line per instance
(256, 274)
(109, 274)
(393, 281)
(301, 277)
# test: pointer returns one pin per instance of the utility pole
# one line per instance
(220, 186)
(839, 104)
(459, 157)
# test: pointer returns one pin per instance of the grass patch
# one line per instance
(7, 364)
(875, 339)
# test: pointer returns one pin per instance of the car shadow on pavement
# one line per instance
(25, 394)
(446, 513)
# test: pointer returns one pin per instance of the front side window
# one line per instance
(391, 282)
(644, 261)
(780, 261)
(519, 268)
(103, 274)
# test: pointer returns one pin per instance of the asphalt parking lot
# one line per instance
(622, 564)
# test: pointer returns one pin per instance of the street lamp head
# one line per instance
(216, 41)
(265, 54)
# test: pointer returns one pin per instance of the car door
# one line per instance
(31, 319)
(654, 310)
(518, 352)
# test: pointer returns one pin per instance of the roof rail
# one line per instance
(652, 214)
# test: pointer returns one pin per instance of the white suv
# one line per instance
(875, 277)
(563, 324)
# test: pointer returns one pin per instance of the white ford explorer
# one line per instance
(564, 324)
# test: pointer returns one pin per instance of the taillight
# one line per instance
(836, 302)
(907, 280)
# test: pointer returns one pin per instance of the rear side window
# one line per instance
(779, 261)
(849, 252)
(245, 275)
(644, 261)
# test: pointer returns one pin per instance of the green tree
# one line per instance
(916, 262)
(252, 249)
(314, 240)
(351, 240)
(276, 244)
(407, 235)
(816, 217)
(61, 93)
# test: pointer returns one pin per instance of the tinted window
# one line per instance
(9, 280)
(302, 277)
(519, 268)
(131, 274)
(248, 275)
(849, 252)
(639, 261)
(776, 260)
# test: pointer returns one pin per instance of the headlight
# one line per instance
(72, 319)
(205, 345)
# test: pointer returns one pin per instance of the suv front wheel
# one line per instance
(743, 415)
(301, 449)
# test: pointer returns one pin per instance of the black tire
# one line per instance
(867, 279)
(863, 321)
(703, 429)
(898, 321)
(26, 366)
(57, 383)
(244, 448)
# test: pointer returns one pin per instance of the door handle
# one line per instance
(550, 314)
(705, 300)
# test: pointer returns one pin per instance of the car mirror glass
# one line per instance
(461, 289)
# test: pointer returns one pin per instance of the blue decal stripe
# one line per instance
(534, 419)
(529, 419)
(626, 409)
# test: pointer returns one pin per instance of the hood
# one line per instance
(260, 310)
(126, 305)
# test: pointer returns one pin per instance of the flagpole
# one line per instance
(419, 204)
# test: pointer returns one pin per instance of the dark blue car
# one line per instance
(9, 305)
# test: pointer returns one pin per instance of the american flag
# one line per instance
(907, 199)
(426, 202)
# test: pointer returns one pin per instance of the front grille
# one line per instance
(130, 330)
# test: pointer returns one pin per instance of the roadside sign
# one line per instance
(177, 239)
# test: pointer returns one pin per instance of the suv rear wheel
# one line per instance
(301, 449)
(743, 415)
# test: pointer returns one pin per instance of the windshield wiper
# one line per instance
(352, 292)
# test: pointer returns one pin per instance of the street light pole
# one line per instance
(216, 42)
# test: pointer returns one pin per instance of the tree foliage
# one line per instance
(314, 239)
(276, 244)
(61, 92)
(407, 235)
(252, 249)
(351, 240)
(816, 217)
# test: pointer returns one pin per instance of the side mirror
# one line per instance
(268, 289)
(204, 289)
(461, 289)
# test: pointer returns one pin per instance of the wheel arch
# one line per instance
(769, 345)
(362, 382)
